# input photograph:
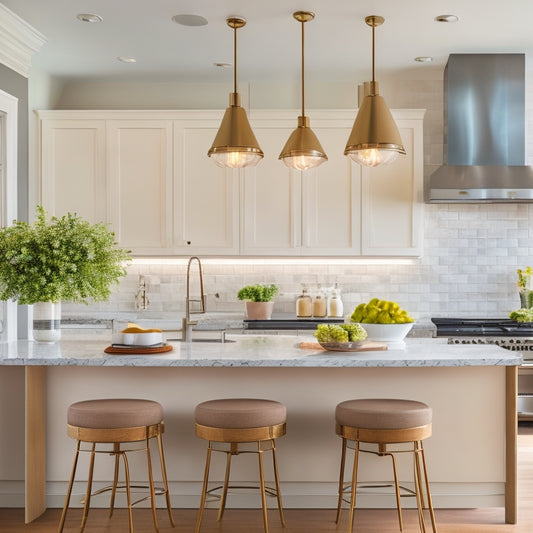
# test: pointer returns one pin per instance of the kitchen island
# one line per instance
(471, 388)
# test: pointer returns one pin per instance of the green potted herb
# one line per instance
(259, 304)
(59, 259)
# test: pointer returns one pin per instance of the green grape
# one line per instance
(331, 333)
(355, 332)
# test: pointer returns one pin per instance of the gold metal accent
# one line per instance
(235, 145)
(384, 437)
(375, 138)
(116, 436)
(234, 436)
(187, 323)
(303, 149)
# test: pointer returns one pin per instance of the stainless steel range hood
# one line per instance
(484, 131)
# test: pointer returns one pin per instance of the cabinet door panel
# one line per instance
(73, 177)
(331, 200)
(271, 200)
(140, 176)
(391, 204)
(206, 196)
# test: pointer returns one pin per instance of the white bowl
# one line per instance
(147, 338)
(387, 332)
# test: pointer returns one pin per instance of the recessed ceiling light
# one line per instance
(89, 17)
(447, 18)
(424, 59)
(190, 20)
(222, 65)
(127, 59)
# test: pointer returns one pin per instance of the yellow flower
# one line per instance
(524, 277)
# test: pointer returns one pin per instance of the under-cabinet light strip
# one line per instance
(276, 261)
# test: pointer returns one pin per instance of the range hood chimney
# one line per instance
(484, 131)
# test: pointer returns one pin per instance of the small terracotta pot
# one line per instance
(259, 310)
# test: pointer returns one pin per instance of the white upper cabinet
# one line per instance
(139, 171)
(206, 197)
(147, 173)
(73, 168)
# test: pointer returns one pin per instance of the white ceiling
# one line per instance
(338, 42)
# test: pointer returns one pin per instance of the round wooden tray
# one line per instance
(121, 350)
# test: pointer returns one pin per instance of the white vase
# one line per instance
(47, 322)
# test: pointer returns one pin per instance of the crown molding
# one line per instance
(18, 42)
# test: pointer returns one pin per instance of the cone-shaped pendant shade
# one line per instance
(235, 144)
(375, 138)
(303, 150)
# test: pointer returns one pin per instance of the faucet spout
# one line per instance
(190, 302)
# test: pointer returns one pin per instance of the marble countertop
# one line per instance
(259, 351)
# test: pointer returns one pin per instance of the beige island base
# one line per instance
(471, 388)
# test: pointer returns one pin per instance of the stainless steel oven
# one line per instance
(511, 335)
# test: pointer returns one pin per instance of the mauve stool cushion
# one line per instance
(114, 413)
(237, 413)
(382, 414)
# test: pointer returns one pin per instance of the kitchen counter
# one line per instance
(471, 389)
(259, 351)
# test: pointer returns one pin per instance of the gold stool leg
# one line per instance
(276, 478)
(116, 451)
(89, 488)
(428, 492)
(165, 479)
(128, 492)
(397, 490)
(224, 495)
(262, 482)
(354, 485)
(69, 489)
(151, 483)
(418, 491)
(341, 480)
(204, 488)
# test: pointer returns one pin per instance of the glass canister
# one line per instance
(335, 305)
(320, 304)
(304, 305)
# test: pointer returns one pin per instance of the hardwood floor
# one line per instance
(298, 520)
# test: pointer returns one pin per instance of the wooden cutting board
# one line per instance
(365, 346)
(138, 350)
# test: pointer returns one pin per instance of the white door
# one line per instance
(392, 207)
(206, 197)
(8, 195)
(139, 177)
(271, 203)
(73, 170)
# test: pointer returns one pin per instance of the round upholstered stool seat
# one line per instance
(382, 422)
(255, 419)
(117, 421)
(385, 414)
(237, 422)
(114, 413)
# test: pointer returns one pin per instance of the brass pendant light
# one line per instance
(375, 138)
(303, 149)
(235, 145)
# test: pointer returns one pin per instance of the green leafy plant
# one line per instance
(258, 293)
(522, 315)
(63, 258)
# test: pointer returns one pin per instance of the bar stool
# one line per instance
(117, 421)
(384, 422)
(234, 422)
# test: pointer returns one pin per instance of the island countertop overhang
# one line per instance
(258, 351)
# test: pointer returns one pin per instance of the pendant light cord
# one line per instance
(235, 59)
(373, 51)
(303, 69)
